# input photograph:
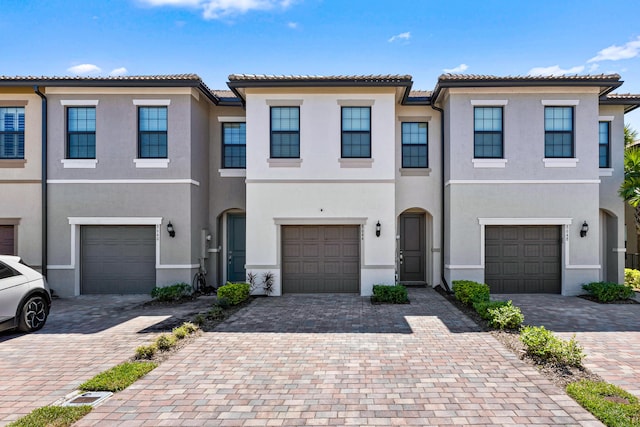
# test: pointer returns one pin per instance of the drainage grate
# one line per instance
(92, 398)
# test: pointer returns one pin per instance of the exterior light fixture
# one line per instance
(584, 229)
(171, 230)
(378, 228)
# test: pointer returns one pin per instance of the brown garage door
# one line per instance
(118, 259)
(523, 259)
(7, 244)
(321, 259)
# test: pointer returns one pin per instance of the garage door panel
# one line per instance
(330, 259)
(523, 259)
(117, 259)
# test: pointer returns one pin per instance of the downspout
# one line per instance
(44, 179)
(442, 218)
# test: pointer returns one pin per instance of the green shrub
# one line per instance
(234, 292)
(215, 313)
(482, 307)
(119, 377)
(632, 278)
(596, 397)
(199, 319)
(223, 303)
(390, 294)
(180, 332)
(165, 342)
(52, 416)
(172, 293)
(607, 292)
(468, 292)
(542, 343)
(189, 327)
(146, 351)
(506, 316)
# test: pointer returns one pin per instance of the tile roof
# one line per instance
(622, 96)
(168, 77)
(488, 78)
(372, 78)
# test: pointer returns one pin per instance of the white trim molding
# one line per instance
(79, 163)
(569, 162)
(560, 102)
(521, 181)
(489, 163)
(123, 181)
(151, 102)
(232, 173)
(606, 118)
(582, 267)
(619, 250)
(321, 181)
(356, 102)
(284, 163)
(232, 119)
(177, 266)
(320, 221)
(413, 119)
(79, 102)
(605, 172)
(414, 171)
(489, 102)
(355, 163)
(524, 221)
(463, 267)
(284, 102)
(152, 163)
(114, 220)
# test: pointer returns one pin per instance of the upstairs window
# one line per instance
(11, 132)
(356, 132)
(152, 132)
(81, 133)
(414, 145)
(604, 138)
(558, 132)
(234, 145)
(487, 133)
(285, 132)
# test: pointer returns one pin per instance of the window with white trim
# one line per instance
(152, 132)
(604, 144)
(415, 145)
(81, 132)
(487, 133)
(234, 145)
(11, 132)
(558, 132)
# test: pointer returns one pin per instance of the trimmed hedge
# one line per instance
(607, 291)
(235, 293)
(506, 316)
(172, 293)
(468, 292)
(542, 343)
(483, 307)
(632, 278)
(390, 294)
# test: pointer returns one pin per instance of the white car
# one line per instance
(25, 298)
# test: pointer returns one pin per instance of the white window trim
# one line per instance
(569, 162)
(521, 181)
(560, 102)
(124, 181)
(414, 119)
(414, 171)
(489, 163)
(79, 163)
(605, 118)
(151, 102)
(284, 102)
(232, 119)
(232, 173)
(356, 102)
(79, 102)
(605, 172)
(489, 102)
(284, 163)
(151, 163)
(355, 162)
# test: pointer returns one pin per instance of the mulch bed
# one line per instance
(561, 375)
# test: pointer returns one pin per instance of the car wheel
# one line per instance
(33, 314)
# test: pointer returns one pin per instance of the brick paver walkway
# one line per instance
(83, 337)
(610, 333)
(338, 360)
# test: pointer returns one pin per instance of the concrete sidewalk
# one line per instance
(338, 360)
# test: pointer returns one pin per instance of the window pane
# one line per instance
(487, 139)
(558, 118)
(356, 144)
(487, 119)
(356, 118)
(153, 145)
(11, 132)
(604, 141)
(285, 132)
(414, 145)
(153, 118)
(285, 119)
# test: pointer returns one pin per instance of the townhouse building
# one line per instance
(332, 184)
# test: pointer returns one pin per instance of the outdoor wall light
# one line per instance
(584, 229)
(378, 228)
(170, 230)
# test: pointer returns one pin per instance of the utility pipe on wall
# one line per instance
(44, 179)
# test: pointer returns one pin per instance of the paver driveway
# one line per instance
(338, 360)
(83, 336)
(610, 333)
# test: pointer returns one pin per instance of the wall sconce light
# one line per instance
(584, 229)
(378, 228)
(171, 230)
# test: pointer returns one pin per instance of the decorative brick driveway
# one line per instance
(338, 360)
(83, 336)
(610, 333)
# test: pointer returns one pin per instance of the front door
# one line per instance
(412, 247)
(236, 236)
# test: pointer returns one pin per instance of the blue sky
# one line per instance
(423, 38)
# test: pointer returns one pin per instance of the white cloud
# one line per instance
(593, 68)
(292, 25)
(118, 72)
(215, 9)
(84, 69)
(459, 69)
(555, 70)
(402, 36)
(614, 53)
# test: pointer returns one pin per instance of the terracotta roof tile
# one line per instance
(486, 77)
(310, 78)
